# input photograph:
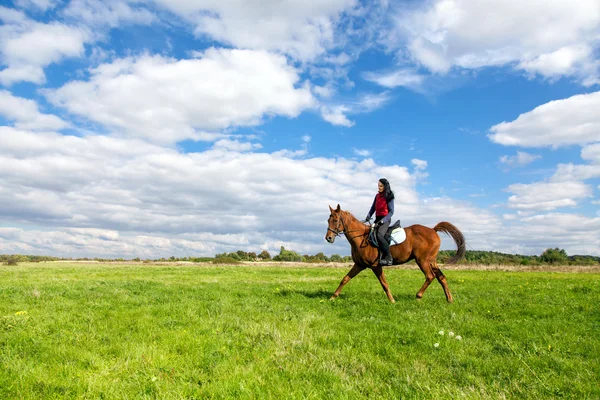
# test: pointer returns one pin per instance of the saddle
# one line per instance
(389, 236)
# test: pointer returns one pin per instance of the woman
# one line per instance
(383, 207)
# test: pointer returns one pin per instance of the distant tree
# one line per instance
(287, 255)
(264, 255)
(555, 256)
(336, 258)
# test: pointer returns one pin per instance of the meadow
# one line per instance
(145, 331)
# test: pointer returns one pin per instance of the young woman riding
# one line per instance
(383, 207)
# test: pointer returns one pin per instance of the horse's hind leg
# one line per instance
(425, 266)
(378, 270)
(442, 280)
(351, 274)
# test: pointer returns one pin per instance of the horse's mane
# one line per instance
(351, 215)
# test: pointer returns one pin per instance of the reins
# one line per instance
(338, 232)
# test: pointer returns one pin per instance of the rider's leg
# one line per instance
(384, 246)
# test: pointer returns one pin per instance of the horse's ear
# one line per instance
(331, 209)
(338, 209)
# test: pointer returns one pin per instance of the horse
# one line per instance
(422, 244)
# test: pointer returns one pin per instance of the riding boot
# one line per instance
(384, 246)
(386, 257)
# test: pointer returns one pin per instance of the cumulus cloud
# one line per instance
(26, 115)
(563, 61)
(140, 189)
(571, 121)
(337, 115)
(167, 100)
(547, 196)
(575, 172)
(27, 46)
(303, 30)
(549, 38)
(591, 153)
(100, 196)
(521, 159)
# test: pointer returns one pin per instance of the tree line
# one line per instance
(554, 256)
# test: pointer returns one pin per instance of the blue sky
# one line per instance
(189, 128)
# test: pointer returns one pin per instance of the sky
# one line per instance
(158, 128)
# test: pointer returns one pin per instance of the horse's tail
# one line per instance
(458, 237)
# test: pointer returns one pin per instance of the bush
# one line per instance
(336, 258)
(555, 256)
(287, 255)
(225, 260)
(11, 260)
(264, 255)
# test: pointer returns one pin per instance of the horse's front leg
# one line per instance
(378, 270)
(351, 274)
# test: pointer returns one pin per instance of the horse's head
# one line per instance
(335, 225)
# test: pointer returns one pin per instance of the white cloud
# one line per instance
(563, 61)
(420, 167)
(547, 37)
(591, 153)
(111, 13)
(577, 234)
(521, 159)
(26, 114)
(339, 59)
(138, 189)
(166, 100)
(99, 196)
(235, 145)
(27, 46)
(336, 115)
(371, 102)
(431, 55)
(41, 5)
(362, 152)
(572, 172)
(303, 30)
(546, 196)
(403, 77)
(419, 164)
(558, 123)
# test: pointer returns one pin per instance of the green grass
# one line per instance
(170, 332)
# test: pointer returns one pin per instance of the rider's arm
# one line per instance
(372, 210)
(388, 218)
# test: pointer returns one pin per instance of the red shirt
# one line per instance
(381, 206)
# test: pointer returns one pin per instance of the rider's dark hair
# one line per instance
(387, 190)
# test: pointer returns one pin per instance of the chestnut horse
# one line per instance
(422, 244)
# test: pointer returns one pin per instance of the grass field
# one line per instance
(129, 331)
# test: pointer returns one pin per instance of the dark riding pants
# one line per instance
(384, 246)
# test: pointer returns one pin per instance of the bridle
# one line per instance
(338, 232)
